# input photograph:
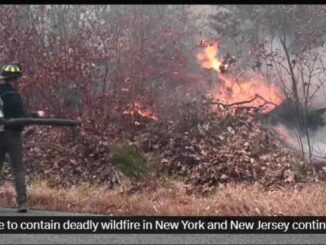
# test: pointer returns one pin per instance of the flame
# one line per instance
(137, 108)
(125, 90)
(208, 57)
(254, 92)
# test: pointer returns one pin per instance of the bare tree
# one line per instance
(285, 44)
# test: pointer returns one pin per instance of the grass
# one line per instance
(129, 161)
(171, 199)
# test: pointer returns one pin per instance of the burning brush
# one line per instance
(290, 119)
(227, 62)
(253, 92)
(209, 57)
(139, 113)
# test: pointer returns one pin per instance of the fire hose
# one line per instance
(39, 121)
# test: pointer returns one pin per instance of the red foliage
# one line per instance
(72, 70)
(89, 63)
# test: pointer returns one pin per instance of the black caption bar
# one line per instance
(159, 224)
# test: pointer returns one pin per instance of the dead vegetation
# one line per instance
(213, 148)
(216, 163)
(172, 199)
(234, 148)
(133, 88)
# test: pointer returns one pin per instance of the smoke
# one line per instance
(309, 70)
(291, 139)
(308, 73)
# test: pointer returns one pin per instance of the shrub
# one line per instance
(128, 160)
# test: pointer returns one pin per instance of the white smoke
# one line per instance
(292, 140)
(317, 93)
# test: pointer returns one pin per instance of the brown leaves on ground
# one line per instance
(206, 148)
(223, 149)
(55, 155)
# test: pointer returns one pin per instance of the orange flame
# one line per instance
(137, 108)
(254, 92)
(208, 57)
(125, 90)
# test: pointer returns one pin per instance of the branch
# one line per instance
(257, 96)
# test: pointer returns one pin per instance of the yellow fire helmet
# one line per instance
(11, 71)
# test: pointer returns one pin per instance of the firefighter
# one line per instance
(10, 137)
